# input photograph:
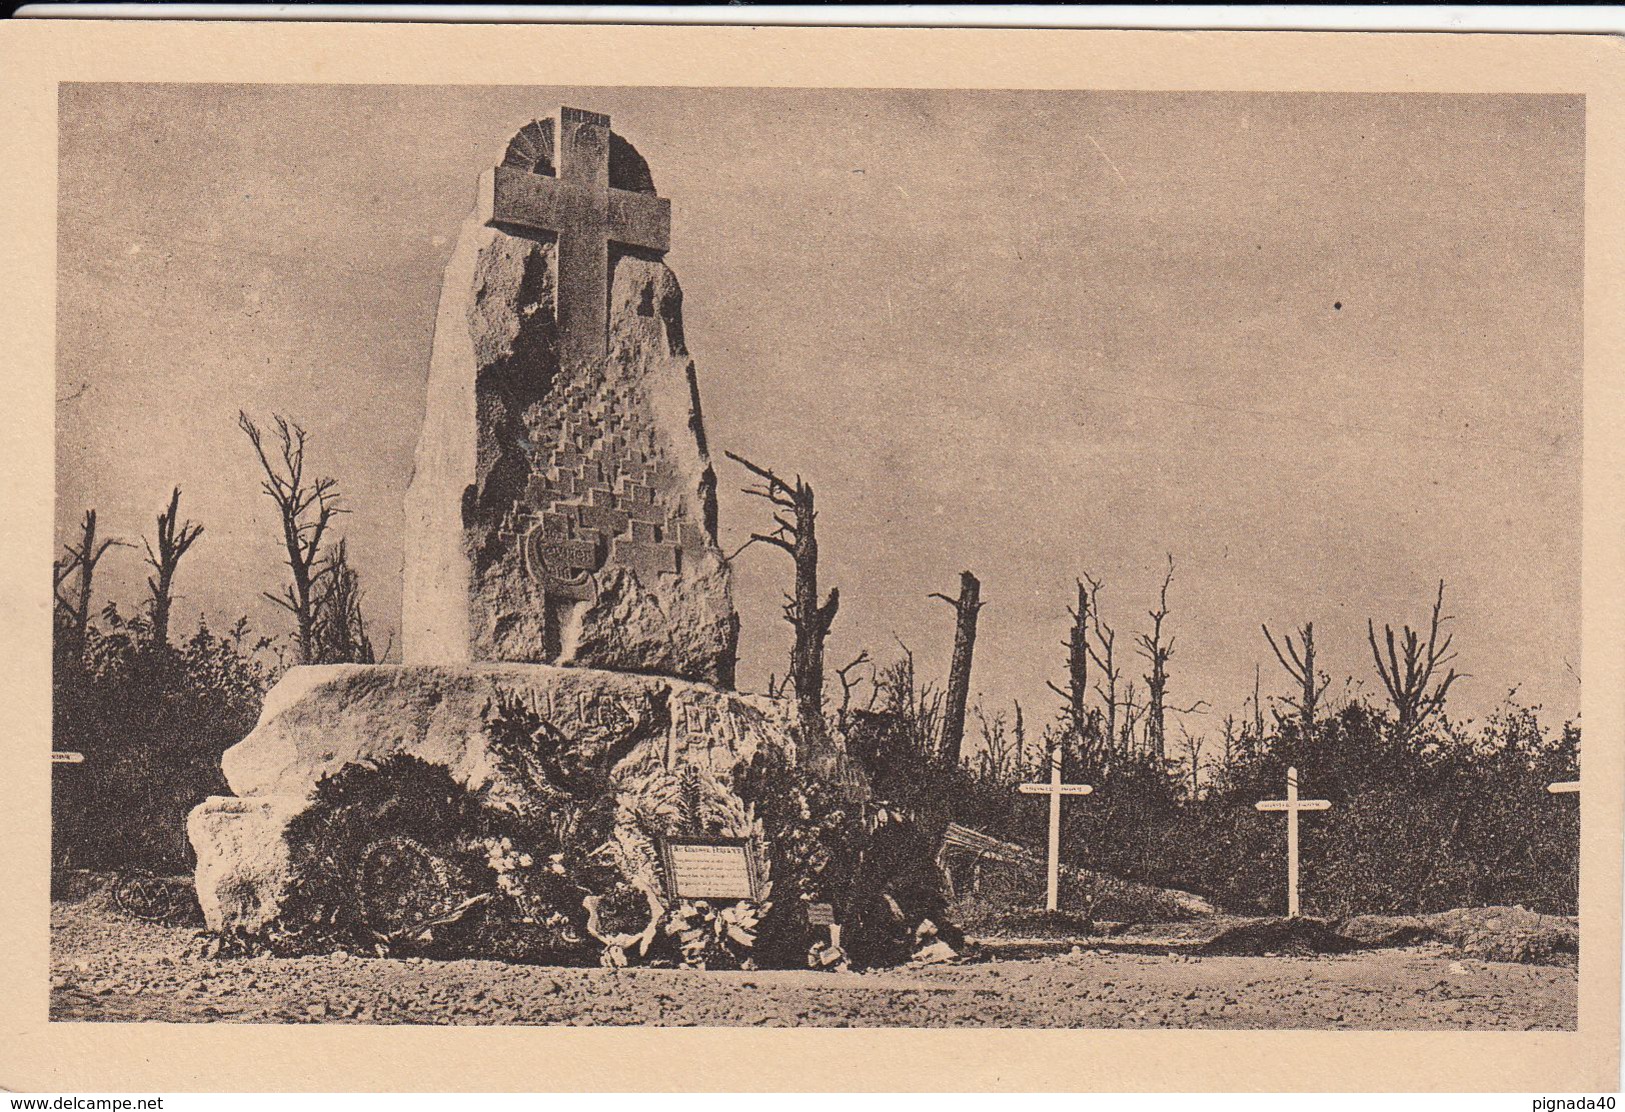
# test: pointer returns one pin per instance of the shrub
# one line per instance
(152, 721)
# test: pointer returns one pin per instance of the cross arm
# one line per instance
(514, 197)
(640, 220)
(1056, 789)
(518, 198)
(1290, 805)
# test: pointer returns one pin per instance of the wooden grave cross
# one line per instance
(587, 215)
(1292, 805)
(1055, 790)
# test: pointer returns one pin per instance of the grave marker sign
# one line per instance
(710, 869)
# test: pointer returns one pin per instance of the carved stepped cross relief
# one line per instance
(598, 499)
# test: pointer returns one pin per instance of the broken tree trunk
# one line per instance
(953, 719)
(174, 539)
(809, 618)
(82, 560)
(1077, 663)
(1300, 665)
(1076, 692)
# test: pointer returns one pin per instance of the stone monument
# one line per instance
(563, 508)
(562, 539)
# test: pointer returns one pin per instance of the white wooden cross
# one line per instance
(1055, 790)
(1292, 805)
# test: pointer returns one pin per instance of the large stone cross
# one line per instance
(587, 214)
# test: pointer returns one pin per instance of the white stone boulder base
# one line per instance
(320, 718)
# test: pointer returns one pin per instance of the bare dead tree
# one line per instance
(847, 685)
(80, 559)
(809, 618)
(1258, 704)
(1157, 654)
(306, 508)
(1102, 649)
(1130, 711)
(1157, 648)
(1230, 746)
(341, 635)
(909, 701)
(999, 750)
(61, 568)
(1410, 672)
(1299, 662)
(174, 539)
(966, 607)
(1018, 732)
(1076, 692)
(1191, 748)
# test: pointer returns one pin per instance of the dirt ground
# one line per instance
(106, 967)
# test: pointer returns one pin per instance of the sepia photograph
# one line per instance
(769, 559)
(805, 557)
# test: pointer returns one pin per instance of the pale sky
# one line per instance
(1325, 349)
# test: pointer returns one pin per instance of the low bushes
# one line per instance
(151, 721)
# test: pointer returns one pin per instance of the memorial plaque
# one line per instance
(821, 915)
(710, 869)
